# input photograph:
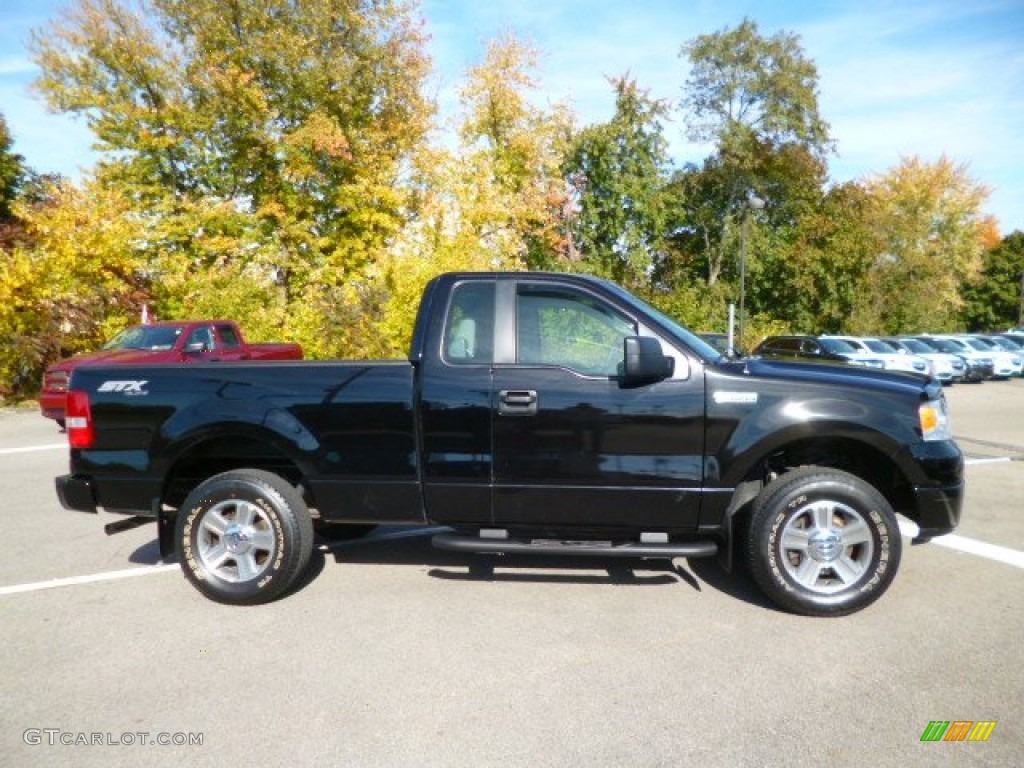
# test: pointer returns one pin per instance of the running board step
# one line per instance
(458, 543)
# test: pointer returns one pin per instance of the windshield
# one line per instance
(1006, 344)
(978, 344)
(689, 338)
(838, 346)
(153, 337)
(954, 345)
(877, 345)
(916, 346)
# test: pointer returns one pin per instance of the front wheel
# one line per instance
(823, 542)
(244, 536)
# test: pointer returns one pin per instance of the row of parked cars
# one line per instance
(949, 358)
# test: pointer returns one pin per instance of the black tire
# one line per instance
(244, 537)
(823, 542)
(341, 531)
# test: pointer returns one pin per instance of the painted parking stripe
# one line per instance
(998, 460)
(33, 448)
(127, 573)
(907, 528)
(968, 546)
(981, 549)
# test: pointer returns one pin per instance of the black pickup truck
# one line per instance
(537, 413)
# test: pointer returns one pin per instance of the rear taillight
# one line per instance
(78, 420)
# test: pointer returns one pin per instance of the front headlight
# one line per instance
(934, 418)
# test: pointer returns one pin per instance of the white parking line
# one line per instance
(33, 448)
(981, 549)
(968, 546)
(127, 573)
(907, 528)
(999, 460)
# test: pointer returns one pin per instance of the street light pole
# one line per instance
(754, 203)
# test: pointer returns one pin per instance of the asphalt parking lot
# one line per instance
(394, 654)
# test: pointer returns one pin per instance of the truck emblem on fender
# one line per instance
(722, 398)
(124, 387)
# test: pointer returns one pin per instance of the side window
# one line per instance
(228, 336)
(469, 327)
(560, 326)
(202, 335)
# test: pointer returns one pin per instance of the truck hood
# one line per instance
(113, 357)
(838, 375)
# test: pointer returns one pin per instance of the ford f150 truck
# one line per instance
(167, 342)
(536, 413)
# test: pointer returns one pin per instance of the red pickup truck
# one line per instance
(181, 341)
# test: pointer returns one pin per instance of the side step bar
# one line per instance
(478, 544)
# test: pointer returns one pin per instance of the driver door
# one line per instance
(573, 446)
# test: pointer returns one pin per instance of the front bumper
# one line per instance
(939, 488)
(938, 510)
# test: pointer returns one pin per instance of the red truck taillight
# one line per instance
(78, 420)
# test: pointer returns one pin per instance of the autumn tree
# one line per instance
(74, 281)
(291, 122)
(619, 171)
(513, 151)
(494, 201)
(928, 220)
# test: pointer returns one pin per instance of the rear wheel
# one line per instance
(244, 536)
(823, 542)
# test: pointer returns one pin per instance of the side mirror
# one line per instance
(194, 347)
(645, 362)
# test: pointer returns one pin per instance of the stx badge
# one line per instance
(124, 387)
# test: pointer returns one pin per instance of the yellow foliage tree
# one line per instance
(496, 202)
(79, 279)
(932, 233)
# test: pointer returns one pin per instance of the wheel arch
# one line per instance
(866, 454)
(225, 447)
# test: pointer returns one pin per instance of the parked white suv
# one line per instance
(946, 367)
(1006, 363)
(974, 355)
(893, 359)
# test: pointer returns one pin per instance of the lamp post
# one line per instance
(754, 203)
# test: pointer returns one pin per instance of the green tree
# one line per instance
(811, 273)
(755, 99)
(619, 171)
(994, 300)
(743, 84)
(12, 173)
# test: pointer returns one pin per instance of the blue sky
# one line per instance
(897, 78)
